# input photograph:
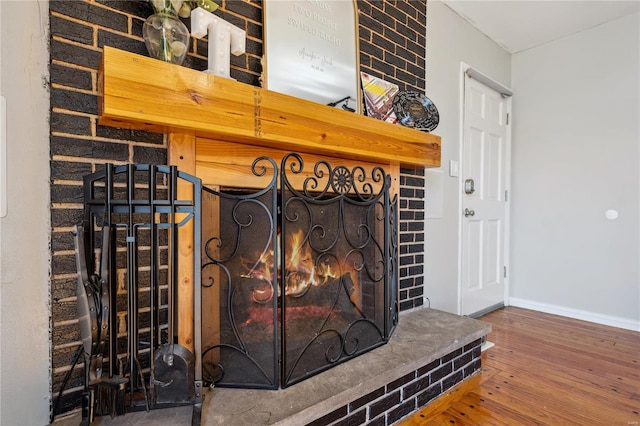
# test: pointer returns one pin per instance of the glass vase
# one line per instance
(166, 36)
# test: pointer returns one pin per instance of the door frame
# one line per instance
(495, 85)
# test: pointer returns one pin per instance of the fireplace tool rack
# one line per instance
(128, 259)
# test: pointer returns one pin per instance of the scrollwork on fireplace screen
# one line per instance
(298, 276)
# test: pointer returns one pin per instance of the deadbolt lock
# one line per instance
(469, 186)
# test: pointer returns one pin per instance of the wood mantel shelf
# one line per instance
(142, 93)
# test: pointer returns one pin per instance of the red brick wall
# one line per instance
(392, 46)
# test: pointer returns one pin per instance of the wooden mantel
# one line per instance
(143, 93)
(202, 113)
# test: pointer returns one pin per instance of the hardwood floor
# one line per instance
(547, 370)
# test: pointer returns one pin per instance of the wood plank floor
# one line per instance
(548, 370)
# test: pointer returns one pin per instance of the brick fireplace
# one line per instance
(219, 140)
(392, 40)
(431, 351)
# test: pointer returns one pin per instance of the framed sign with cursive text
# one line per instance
(311, 50)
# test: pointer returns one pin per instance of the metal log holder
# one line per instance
(128, 264)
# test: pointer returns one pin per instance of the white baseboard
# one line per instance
(627, 324)
(486, 345)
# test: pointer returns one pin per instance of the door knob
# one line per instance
(468, 212)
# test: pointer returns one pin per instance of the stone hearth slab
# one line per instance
(422, 337)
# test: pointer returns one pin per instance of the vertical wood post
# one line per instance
(182, 153)
(211, 276)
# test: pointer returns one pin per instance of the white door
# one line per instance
(484, 207)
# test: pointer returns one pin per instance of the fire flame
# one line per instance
(301, 271)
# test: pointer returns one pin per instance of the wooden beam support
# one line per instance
(182, 153)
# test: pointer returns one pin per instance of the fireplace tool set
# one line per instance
(129, 262)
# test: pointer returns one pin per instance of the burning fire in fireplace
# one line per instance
(301, 271)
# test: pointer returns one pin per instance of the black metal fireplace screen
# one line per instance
(299, 275)
(292, 278)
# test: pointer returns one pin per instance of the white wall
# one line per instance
(450, 41)
(24, 232)
(576, 137)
